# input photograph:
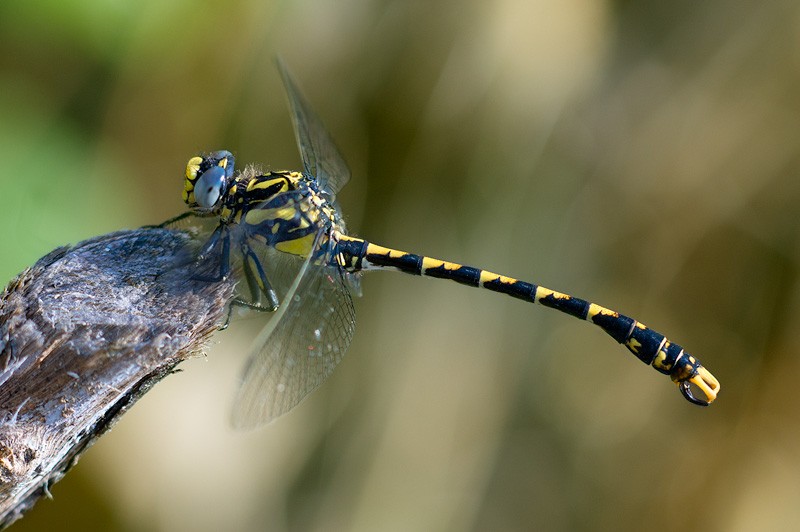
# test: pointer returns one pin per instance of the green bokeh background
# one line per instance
(644, 155)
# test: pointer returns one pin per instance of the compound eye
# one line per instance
(224, 159)
(209, 187)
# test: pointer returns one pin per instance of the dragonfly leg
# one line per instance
(239, 302)
(170, 221)
(188, 257)
(222, 234)
(257, 282)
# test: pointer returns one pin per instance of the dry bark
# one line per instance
(84, 333)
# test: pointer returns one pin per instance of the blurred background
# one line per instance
(643, 155)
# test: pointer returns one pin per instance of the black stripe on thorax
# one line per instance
(263, 187)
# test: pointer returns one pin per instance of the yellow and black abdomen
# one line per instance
(649, 346)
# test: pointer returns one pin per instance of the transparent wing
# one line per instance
(299, 347)
(321, 157)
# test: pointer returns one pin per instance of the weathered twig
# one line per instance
(84, 333)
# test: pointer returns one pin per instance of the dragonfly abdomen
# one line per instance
(648, 345)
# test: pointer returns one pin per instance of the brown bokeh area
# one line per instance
(643, 155)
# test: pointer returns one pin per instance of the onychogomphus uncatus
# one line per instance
(293, 256)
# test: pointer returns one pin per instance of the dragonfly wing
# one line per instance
(321, 158)
(299, 347)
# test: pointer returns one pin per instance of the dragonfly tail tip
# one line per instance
(705, 382)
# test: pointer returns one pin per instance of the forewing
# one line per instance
(299, 347)
(321, 158)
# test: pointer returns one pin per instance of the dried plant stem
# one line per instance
(84, 333)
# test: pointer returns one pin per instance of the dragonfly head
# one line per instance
(208, 178)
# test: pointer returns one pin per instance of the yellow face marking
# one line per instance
(192, 167)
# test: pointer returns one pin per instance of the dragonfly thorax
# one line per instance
(280, 208)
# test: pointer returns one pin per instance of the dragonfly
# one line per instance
(281, 234)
